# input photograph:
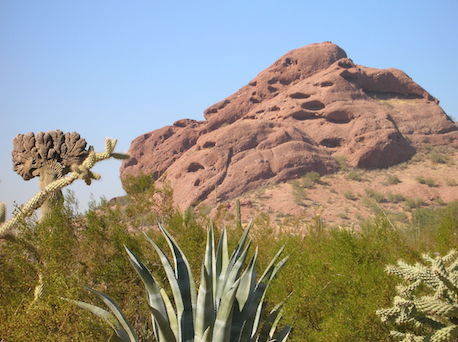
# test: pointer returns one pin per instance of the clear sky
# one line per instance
(123, 68)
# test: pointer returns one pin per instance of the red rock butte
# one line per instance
(310, 106)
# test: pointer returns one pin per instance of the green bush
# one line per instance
(375, 195)
(392, 180)
(428, 181)
(438, 157)
(350, 196)
(395, 198)
(335, 275)
(413, 203)
(355, 176)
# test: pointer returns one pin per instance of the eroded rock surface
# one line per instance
(311, 105)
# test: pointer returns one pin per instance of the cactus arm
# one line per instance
(2, 212)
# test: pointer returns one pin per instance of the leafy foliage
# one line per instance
(335, 275)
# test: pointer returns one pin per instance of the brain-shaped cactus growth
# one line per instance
(48, 155)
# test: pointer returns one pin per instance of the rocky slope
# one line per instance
(312, 105)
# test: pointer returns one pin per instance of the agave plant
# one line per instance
(227, 307)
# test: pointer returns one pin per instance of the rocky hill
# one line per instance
(311, 108)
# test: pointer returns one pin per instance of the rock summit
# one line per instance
(312, 105)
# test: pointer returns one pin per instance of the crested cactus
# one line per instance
(78, 171)
(48, 155)
(227, 306)
(426, 308)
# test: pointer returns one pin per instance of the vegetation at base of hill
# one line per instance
(335, 275)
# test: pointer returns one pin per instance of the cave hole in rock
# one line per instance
(289, 61)
(260, 111)
(299, 95)
(284, 81)
(254, 100)
(272, 89)
(331, 142)
(346, 64)
(197, 182)
(272, 80)
(326, 84)
(339, 117)
(209, 144)
(224, 104)
(313, 105)
(274, 108)
(193, 167)
(302, 115)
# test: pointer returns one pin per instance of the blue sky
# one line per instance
(123, 68)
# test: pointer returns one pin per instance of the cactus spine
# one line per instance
(426, 308)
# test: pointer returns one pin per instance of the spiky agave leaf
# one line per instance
(227, 307)
(116, 319)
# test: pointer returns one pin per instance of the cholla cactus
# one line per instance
(427, 307)
(2, 212)
(78, 171)
(48, 155)
(227, 307)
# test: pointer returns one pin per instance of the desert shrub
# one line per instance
(342, 162)
(355, 176)
(395, 198)
(425, 180)
(439, 157)
(375, 195)
(336, 277)
(451, 182)
(350, 196)
(392, 179)
(413, 203)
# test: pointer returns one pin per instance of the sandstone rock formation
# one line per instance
(311, 105)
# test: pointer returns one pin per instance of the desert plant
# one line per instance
(78, 171)
(426, 308)
(2, 212)
(354, 175)
(439, 158)
(395, 198)
(342, 162)
(392, 179)
(428, 181)
(48, 155)
(227, 307)
(451, 182)
(350, 196)
(413, 203)
(375, 195)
